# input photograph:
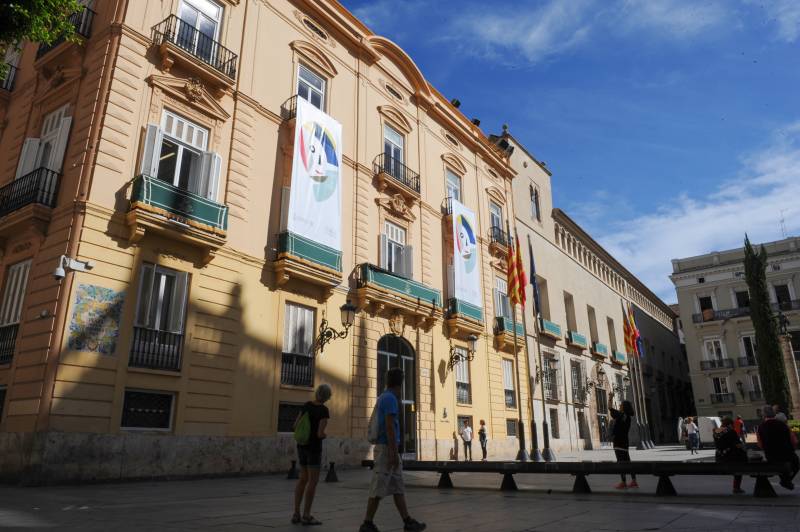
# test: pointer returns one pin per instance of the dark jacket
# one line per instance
(620, 428)
(729, 446)
(776, 439)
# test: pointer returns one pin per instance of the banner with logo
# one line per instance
(315, 200)
(465, 256)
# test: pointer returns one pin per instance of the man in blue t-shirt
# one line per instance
(387, 476)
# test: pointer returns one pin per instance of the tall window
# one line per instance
(311, 87)
(554, 423)
(16, 283)
(48, 150)
(393, 143)
(396, 256)
(714, 349)
(578, 382)
(602, 400)
(569, 307)
(612, 333)
(453, 185)
(720, 385)
(706, 303)
(502, 306)
(297, 367)
(783, 296)
(199, 27)
(535, 210)
(755, 384)
(463, 389)
(496, 215)
(742, 298)
(508, 383)
(748, 349)
(550, 378)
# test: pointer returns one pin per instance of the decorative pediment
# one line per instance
(396, 204)
(193, 92)
(454, 162)
(315, 56)
(496, 194)
(396, 117)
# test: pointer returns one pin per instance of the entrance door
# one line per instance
(602, 415)
(395, 352)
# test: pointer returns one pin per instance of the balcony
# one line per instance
(7, 83)
(392, 176)
(8, 341)
(181, 42)
(786, 305)
(163, 208)
(756, 395)
(381, 291)
(504, 334)
(463, 318)
(28, 202)
(297, 370)
(463, 393)
(619, 358)
(747, 362)
(307, 261)
(721, 363)
(550, 329)
(154, 349)
(576, 339)
(499, 241)
(599, 350)
(81, 21)
(717, 398)
(719, 315)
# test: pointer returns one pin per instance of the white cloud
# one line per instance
(684, 226)
(785, 14)
(672, 18)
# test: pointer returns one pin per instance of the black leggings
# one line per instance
(624, 456)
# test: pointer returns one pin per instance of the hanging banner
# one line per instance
(315, 200)
(465, 256)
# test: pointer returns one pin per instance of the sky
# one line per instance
(672, 127)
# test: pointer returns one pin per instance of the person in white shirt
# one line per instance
(693, 433)
(466, 437)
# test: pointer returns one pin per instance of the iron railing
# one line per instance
(289, 108)
(747, 362)
(793, 304)
(398, 171)
(447, 206)
(187, 37)
(463, 393)
(498, 235)
(719, 315)
(81, 21)
(756, 395)
(723, 398)
(39, 186)
(8, 340)
(155, 349)
(720, 363)
(297, 370)
(511, 399)
(7, 83)
(580, 395)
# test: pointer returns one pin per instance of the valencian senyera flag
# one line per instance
(516, 275)
(638, 345)
(630, 344)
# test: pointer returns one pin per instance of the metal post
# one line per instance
(536, 455)
(640, 445)
(522, 454)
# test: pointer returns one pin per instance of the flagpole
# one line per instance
(522, 454)
(637, 374)
(536, 455)
(630, 348)
(547, 453)
(648, 441)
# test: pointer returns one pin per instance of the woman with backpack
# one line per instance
(309, 431)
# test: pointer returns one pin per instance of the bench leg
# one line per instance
(508, 483)
(581, 485)
(665, 487)
(444, 481)
(763, 487)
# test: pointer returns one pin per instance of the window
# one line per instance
(511, 427)
(714, 350)
(316, 29)
(550, 378)
(453, 185)
(783, 296)
(554, 423)
(755, 384)
(395, 255)
(508, 383)
(287, 415)
(592, 323)
(620, 385)
(742, 298)
(463, 390)
(311, 87)
(199, 27)
(583, 428)
(175, 153)
(706, 303)
(719, 385)
(2, 400)
(748, 349)
(393, 142)
(569, 307)
(602, 400)
(48, 150)
(535, 210)
(297, 365)
(147, 410)
(578, 382)
(496, 215)
(612, 334)
(502, 306)
(16, 283)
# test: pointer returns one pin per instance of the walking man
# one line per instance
(466, 437)
(775, 438)
(387, 473)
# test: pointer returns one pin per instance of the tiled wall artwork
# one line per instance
(95, 319)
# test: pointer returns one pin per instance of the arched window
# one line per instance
(535, 210)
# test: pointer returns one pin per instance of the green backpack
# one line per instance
(302, 431)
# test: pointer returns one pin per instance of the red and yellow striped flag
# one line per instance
(516, 275)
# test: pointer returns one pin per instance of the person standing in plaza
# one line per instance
(483, 439)
(693, 433)
(619, 436)
(775, 438)
(387, 472)
(730, 448)
(738, 426)
(466, 437)
(309, 454)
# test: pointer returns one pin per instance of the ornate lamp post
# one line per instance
(326, 334)
(456, 356)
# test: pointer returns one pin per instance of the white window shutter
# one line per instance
(151, 150)
(384, 252)
(145, 294)
(285, 196)
(212, 183)
(27, 158)
(15, 284)
(408, 262)
(176, 319)
(204, 183)
(60, 145)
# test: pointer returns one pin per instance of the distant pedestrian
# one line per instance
(466, 437)
(779, 415)
(483, 439)
(313, 418)
(730, 448)
(619, 436)
(387, 472)
(693, 433)
(775, 438)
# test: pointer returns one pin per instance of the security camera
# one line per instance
(65, 263)
(59, 273)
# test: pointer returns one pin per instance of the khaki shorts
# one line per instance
(385, 482)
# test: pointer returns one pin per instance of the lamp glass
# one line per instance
(473, 342)
(348, 314)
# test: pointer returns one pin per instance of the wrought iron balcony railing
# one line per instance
(39, 186)
(194, 209)
(8, 340)
(498, 235)
(81, 21)
(721, 363)
(719, 315)
(786, 305)
(398, 171)
(722, 398)
(297, 370)
(155, 349)
(747, 362)
(188, 38)
(7, 83)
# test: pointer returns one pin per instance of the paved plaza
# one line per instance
(544, 503)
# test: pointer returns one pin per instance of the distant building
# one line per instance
(714, 309)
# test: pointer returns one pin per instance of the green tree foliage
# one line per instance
(768, 350)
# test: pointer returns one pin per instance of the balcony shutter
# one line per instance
(285, 196)
(16, 283)
(60, 144)
(451, 280)
(408, 261)
(27, 158)
(384, 251)
(176, 319)
(151, 150)
(210, 167)
(145, 295)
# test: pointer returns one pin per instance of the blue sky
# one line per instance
(671, 127)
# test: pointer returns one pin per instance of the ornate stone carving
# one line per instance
(194, 89)
(397, 205)
(396, 323)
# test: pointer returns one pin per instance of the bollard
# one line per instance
(331, 476)
(293, 471)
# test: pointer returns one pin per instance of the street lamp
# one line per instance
(621, 389)
(457, 356)
(326, 334)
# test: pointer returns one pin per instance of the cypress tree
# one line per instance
(771, 369)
